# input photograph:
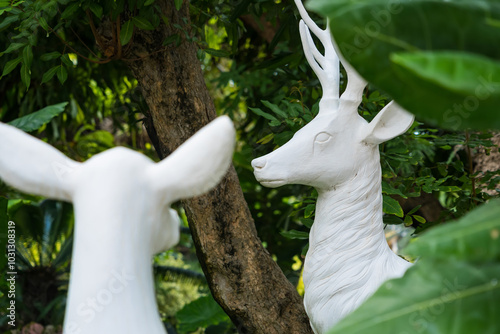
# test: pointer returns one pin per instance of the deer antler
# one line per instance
(326, 66)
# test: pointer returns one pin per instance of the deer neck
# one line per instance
(348, 256)
(349, 214)
(111, 284)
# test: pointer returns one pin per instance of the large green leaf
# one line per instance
(388, 43)
(475, 237)
(35, 120)
(433, 297)
(202, 312)
(466, 77)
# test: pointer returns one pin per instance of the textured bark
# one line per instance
(242, 276)
(488, 162)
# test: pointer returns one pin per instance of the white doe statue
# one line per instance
(337, 153)
(122, 218)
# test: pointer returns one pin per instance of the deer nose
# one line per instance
(259, 163)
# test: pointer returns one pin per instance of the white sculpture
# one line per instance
(122, 217)
(337, 153)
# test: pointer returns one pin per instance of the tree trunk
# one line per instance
(484, 163)
(242, 276)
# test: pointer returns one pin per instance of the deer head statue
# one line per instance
(337, 153)
(122, 217)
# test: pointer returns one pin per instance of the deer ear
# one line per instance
(34, 167)
(197, 165)
(390, 122)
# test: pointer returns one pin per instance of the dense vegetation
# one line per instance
(62, 82)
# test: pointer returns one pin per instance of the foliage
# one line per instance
(200, 313)
(473, 238)
(177, 283)
(431, 66)
(39, 118)
(43, 252)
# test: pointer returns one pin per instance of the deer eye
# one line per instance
(322, 138)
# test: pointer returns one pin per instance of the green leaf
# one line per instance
(200, 313)
(148, 2)
(43, 23)
(171, 39)
(142, 23)
(309, 210)
(266, 139)
(433, 297)
(101, 137)
(25, 76)
(450, 65)
(275, 109)
(66, 61)
(62, 74)
(8, 20)
(27, 55)
(420, 219)
(392, 220)
(449, 189)
(200, 54)
(50, 56)
(13, 47)
(390, 190)
(70, 10)
(49, 74)
(217, 53)
(37, 119)
(96, 9)
(178, 4)
(126, 32)
(264, 114)
(415, 209)
(474, 237)
(307, 222)
(455, 76)
(294, 234)
(392, 207)
(10, 66)
(408, 220)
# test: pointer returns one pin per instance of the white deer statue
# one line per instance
(122, 218)
(337, 153)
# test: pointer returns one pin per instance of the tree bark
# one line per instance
(484, 163)
(241, 274)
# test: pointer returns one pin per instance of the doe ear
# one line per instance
(197, 165)
(390, 122)
(34, 167)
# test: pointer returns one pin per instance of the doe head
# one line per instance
(118, 189)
